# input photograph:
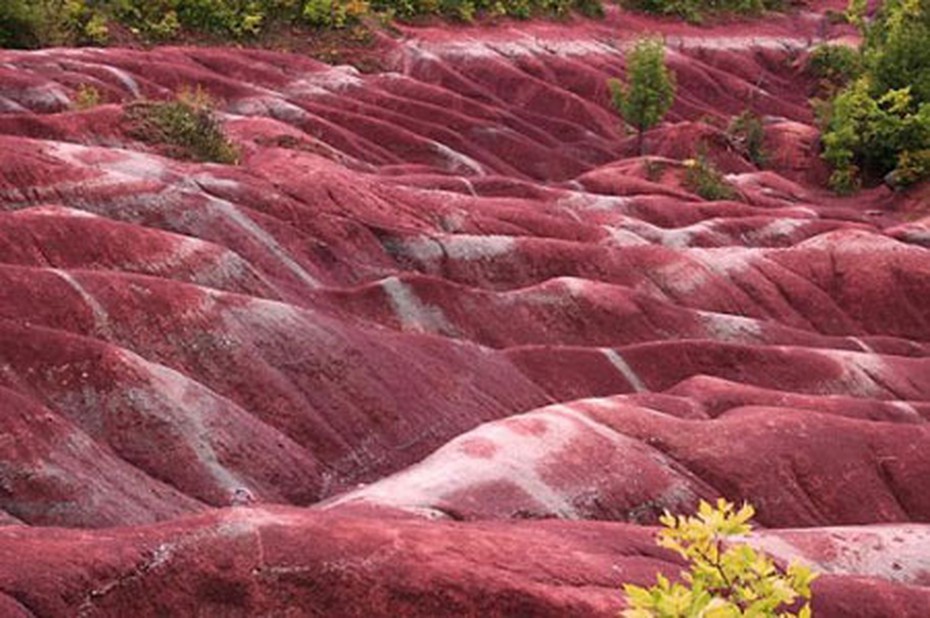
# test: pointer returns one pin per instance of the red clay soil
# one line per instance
(443, 343)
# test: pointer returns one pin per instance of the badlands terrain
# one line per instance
(443, 343)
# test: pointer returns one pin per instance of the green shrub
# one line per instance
(912, 167)
(18, 24)
(649, 90)
(695, 11)
(185, 128)
(747, 134)
(81, 24)
(703, 178)
(38, 23)
(590, 8)
(896, 50)
(96, 30)
(834, 65)
(161, 20)
(723, 581)
(232, 18)
(878, 126)
(521, 9)
(874, 134)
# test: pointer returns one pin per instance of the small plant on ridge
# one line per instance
(695, 11)
(186, 128)
(703, 178)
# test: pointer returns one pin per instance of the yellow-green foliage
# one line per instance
(333, 13)
(730, 580)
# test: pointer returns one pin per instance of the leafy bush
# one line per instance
(878, 127)
(38, 23)
(18, 24)
(31, 23)
(233, 18)
(333, 13)
(161, 20)
(722, 582)
(874, 134)
(912, 166)
(650, 89)
(96, 30)
(703, 178)
(695, 11)
(747, 134)
(835, 66)
(185, 128)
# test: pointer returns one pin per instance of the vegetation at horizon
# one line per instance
(44, 23)
(696, 11)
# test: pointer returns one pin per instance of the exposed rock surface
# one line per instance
(435, 300)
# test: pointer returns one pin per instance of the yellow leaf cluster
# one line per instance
(725, 580)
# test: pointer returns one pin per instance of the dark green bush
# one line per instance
(696, 10)
(333, 13)
(161, 20)
(233, 18)
(35, 23)
(19, 24)
(897, 51)
(185, 128)
(878, 127)
(38, 23)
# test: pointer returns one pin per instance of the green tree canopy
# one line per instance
(898, 48)
(649, 90)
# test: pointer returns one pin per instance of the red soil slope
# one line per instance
(435, 300)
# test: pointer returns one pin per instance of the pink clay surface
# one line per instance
(435, 305)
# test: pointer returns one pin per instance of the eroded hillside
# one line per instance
(434, 304)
